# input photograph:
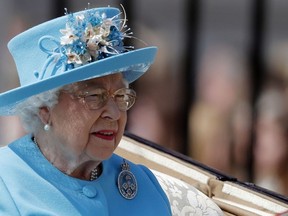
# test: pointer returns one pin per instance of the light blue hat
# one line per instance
(75, 47)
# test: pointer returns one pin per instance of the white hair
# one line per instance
(28, 110)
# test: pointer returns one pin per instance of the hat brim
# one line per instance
(132, 64)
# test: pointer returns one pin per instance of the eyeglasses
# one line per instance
(96, 99)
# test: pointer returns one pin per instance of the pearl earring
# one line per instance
(46, 127)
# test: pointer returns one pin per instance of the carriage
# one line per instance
(193, 188)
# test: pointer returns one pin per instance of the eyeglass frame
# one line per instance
(83, 95)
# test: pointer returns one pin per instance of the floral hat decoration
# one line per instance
(75, 47)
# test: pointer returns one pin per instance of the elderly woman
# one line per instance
(73, 100)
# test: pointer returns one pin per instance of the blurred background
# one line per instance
(217, 91)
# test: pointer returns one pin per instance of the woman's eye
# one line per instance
(120, 97)
(94, 97)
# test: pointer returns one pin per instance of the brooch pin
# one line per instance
(127, 184)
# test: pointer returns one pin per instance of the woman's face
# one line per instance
(84, 134)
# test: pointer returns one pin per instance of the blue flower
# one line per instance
(92, 36)
(79, 47)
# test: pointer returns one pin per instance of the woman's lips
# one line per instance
(105, 134)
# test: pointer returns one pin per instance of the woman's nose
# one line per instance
(111, 110)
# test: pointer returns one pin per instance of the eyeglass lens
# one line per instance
(124, 98)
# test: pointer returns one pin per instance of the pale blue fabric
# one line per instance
(30, 185)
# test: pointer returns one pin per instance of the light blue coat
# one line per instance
(30, 185)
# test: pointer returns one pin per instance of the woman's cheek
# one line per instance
(122, 125)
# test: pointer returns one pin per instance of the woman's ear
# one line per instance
(44, 115)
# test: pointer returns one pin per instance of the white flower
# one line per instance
(69, 36)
